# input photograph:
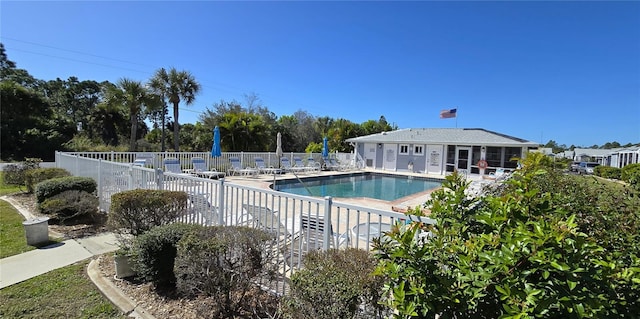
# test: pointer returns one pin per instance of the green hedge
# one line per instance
(607, 172)
(547, 245)
(225, 262)
(70, 205)
(137, 211)
(335, 284)
(52, 187)
(35, 176)
(154, 253)
(631, 175)
(15, 174)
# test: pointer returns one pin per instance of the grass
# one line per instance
(63, 293)
(12, 237)
(7, 189)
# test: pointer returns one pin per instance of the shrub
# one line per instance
(68, 205)
(335, 284)
(518, 254)
(154, 253)
(52, 187)
(15, 174)
(225, 262)
(137, 211)
(607, 172)
(35, 176)
(631, 175)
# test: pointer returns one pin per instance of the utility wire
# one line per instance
(222, 87)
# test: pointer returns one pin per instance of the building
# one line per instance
(615, 157)
(441, 150)
(591, 154)
(622, 157)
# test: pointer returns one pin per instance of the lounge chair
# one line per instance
(313, 227)
(172, 165)
(499, 175)
(289, 168)
(266, 219)
(236, 168)
(299, 163)
(263, 169)
(200, 169)
(313, 165)
(312, 238)
(201, 211)
(334, 164)
(143, 160)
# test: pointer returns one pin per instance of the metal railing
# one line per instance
(337, 224)
(221, 163)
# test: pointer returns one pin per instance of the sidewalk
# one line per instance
(18, 268)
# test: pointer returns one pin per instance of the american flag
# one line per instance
(447, 114)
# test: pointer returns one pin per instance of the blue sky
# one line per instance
(563, 71)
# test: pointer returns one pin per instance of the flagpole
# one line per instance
(457, 116)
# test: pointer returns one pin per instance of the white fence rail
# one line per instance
(298, 223)
(222, 164)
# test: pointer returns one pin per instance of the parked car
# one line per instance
(587, 167)
(574, 166)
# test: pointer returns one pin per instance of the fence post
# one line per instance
(221, 208)
(159, 179)
(100, 184)
(75, 166)
(130, 178)
(327, 223)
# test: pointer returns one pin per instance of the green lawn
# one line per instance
(7, 189)
(12, 237)
(63, 293)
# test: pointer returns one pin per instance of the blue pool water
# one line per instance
(373, 185)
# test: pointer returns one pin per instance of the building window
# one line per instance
(511, 156)
(418, 150)
(494, 156)
(404, 149)
(451, 154)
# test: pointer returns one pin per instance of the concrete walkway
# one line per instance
(33, 263)
(18, 268)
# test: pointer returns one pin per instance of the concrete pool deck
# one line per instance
(264, 181)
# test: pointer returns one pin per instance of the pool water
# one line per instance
(372, 185)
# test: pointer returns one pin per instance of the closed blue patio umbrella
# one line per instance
(325, 147)
(216, 150)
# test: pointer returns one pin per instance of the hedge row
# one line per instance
(52, 187)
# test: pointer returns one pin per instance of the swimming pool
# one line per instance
(373, 185)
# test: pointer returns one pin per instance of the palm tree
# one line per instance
(175, 86)
(133, 95)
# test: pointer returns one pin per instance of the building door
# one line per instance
(370, 155)
(389, 157)
(463, 158)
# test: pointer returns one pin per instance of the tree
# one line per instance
(9, 72)
(29, 128)
(133, 96)
(610, 145)
(175, 86)
(342, 130)
(524, 250)
(372, 127)
(106, 118)
(74, 99)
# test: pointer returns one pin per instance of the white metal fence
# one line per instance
(222, 164)
(298, 223)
